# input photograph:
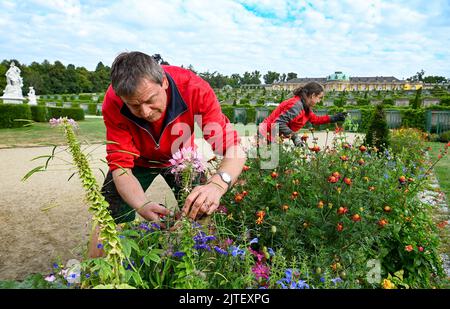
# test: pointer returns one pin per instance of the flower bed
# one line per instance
(346, 216)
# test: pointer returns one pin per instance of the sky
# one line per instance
(311, 38)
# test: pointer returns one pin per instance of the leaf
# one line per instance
(126, 247)
(34, 170)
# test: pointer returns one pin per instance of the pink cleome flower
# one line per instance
(185, 158)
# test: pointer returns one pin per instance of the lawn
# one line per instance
(442, 168)
(91, 130)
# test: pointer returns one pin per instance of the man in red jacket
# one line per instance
(291, 115)
(149, 113)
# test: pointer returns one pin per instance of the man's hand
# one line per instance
(338, 117)
(152, 212)
(203, 199)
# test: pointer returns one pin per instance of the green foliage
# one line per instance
(417, 101)
(39, 113)
(33, 281)
(14, 115)
(444, 137)
(378, 132)
(70, 112)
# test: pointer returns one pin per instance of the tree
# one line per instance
(291, 75)
(417, 101)
(418, 77)
(435, 79)
(159, 59)
(378, 132)
(271, 77)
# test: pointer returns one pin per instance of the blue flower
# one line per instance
(87, 276)
(271, 252)
(55, 265)
(235, 251)
(202, 246)
(220, 250)
(121, 236)
(156, 226)
(179, 254)
(100, 246)
(301, 284)
(322, 279)
(254, 241)
(386, 175)
(336, 280)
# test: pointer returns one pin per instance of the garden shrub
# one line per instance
(378, 132)
(444, 137)
(92, 109)
(72, 112)
(14, 115)
(39, 113)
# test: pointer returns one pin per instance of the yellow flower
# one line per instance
(387, 284)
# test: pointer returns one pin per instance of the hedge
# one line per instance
(39, 113)
(70, 112)
(10, 113)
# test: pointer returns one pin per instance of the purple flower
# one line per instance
(271, 252)
(261, 271)
(220, 250)
(186, 158)
(235, 251)
(336, 280)
(254, 241)
(54, 122)
(100, 246)
(179, 254)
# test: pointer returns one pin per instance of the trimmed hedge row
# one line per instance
(11, 115)
(16, 115)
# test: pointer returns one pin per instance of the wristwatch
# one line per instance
(226, 178)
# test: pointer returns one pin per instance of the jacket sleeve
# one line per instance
(120, 149)
(216, 127)
(314, 119)
(287, 116)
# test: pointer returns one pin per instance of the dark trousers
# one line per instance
(119, 209)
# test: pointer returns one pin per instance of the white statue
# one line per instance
(32, 96)
(14, 83)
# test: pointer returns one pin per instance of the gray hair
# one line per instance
(129, 68)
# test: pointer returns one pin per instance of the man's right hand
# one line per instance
(152, 212)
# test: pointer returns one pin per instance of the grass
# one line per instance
(91, 130)
(41, 134)
(442, 168)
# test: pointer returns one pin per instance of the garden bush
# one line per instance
(14, 115)
(378, 132)
(39, 113)
(72, 112)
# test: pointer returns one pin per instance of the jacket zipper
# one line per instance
(159, 139)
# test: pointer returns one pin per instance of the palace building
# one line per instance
(340, 82)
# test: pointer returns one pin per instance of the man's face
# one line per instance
(149, 101)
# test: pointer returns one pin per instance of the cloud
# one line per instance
(311, 38)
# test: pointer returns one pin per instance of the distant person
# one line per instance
(292, 114)
(149, 112)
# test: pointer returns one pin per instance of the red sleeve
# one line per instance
(314, 119)
(120, 150)
(216, 127)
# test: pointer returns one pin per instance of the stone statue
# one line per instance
(32, 96)
(14, 83)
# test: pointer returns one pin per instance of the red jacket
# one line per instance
(130, 141)
(290, 116)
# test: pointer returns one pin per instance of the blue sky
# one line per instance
(311, 38)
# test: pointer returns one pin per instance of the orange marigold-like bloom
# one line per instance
(387, 284)
(409, 248)
(261, 213)
(259, 220)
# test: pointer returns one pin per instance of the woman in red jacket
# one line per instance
(292, 114)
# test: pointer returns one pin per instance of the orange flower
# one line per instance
(362, 148)
(344, 158)
(259, 221)
(409, 248)
(348, 181)
(442, 224)
(356, 217)
(274, 175)
(371, 188)
(320, 204)
(304, 137)
(340, 227)
(361, 162)
(261, 213)
(285, 207)
(238, 198)
(332, 179)
(246, 168)
(382, 222)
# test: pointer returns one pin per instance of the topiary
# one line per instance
(378, 132)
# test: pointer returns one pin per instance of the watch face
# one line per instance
(225, 177)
